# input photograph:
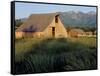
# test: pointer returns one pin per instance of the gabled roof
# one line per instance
(37, 22)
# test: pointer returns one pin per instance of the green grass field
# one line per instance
(51, 55)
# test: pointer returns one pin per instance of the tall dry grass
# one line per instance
(54, 55)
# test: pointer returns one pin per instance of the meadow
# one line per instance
(55, 55)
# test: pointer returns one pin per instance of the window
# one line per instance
(56, 19)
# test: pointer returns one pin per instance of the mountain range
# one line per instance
(77, 19)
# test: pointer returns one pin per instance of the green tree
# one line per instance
(18, 22)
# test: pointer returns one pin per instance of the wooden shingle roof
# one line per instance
(37, 22)
(79, 31)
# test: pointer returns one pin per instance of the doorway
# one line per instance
(53, 31)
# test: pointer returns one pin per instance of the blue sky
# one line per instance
(23, 10)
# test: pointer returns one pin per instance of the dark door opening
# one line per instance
(53, 31)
